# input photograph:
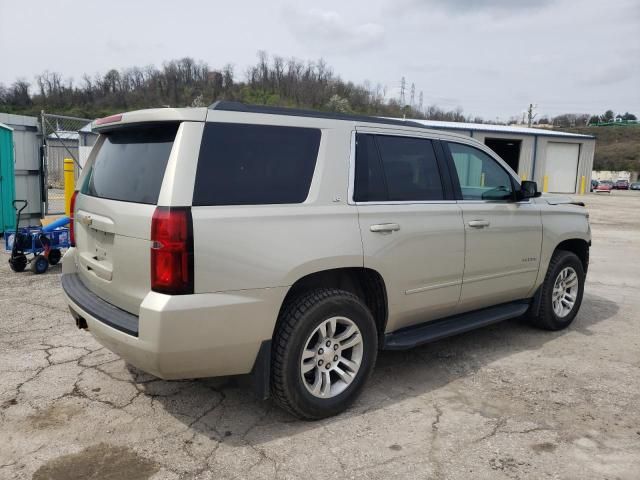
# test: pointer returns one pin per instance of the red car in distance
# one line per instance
(604, 186)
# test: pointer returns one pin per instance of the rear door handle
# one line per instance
(478, 223)
(385, 227)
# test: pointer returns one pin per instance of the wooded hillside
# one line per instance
(271, 81)
(186, 82)
(617, 147)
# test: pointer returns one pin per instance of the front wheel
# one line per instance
(560, 294)
(40, 264)
(323, 352)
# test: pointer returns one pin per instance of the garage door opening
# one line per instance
(507, 149)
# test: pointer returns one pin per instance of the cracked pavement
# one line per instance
(506, 401)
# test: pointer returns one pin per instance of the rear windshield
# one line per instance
(242, 164)
(130, 164)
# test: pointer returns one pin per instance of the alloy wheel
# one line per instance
(331, 357)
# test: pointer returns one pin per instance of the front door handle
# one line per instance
(385, 227)
(478, 223)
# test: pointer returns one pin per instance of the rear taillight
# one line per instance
(172, 251)
(72, 216)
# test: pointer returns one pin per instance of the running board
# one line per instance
(430, 332)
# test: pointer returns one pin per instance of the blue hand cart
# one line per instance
(44, 243)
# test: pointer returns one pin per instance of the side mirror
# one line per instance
(528, 189)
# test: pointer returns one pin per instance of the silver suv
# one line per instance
(293, 245)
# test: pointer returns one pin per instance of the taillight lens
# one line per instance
(72, 216)
(172, 251)
(110, 119)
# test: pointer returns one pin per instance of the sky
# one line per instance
(489, 57)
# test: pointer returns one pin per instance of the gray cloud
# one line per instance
(493, 6)
(330, 31)
(491, 57)
(613, 75)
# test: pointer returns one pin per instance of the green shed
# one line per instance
(7, 180)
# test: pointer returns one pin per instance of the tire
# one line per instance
(40, 264)
(299, 327)
(542, 313)
(54, 256)
(18, 263)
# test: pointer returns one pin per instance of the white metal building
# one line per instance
(27, 166)
(560, 162)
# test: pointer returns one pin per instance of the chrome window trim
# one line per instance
(408, 202)
(352, 169)
(424, 135)
(499, 202)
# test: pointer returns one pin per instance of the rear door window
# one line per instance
(396, 168)
(130, 164)
(243, 164)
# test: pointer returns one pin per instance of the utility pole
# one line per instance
(403, 86)
(413, 94)
(530, 114)
(420, 100)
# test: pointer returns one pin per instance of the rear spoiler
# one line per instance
(150, 115)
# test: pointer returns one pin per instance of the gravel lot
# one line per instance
(503, 402)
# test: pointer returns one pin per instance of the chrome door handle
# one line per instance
(478, 223)
(385, 227)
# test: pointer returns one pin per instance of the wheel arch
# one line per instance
(579, 247)
(365, 283)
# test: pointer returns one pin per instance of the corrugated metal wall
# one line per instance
(57, 151)
(585, 160)
(27, 166)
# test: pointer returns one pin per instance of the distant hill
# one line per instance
(185, 82)
(617, 147)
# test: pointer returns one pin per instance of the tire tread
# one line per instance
(541, 317)
(292, 314)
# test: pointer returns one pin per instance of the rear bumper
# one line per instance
(185, 336)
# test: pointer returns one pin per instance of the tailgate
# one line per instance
(114, 210)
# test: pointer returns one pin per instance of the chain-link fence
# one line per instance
(61, 140)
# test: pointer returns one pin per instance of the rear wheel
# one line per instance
(324, 351)
(560, 294)
(54, 256)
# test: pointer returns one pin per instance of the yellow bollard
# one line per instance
(545, 183)
(69, 184)
(582, 185)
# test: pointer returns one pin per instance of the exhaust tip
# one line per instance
(81, 323)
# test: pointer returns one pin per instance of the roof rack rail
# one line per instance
(229, 106)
